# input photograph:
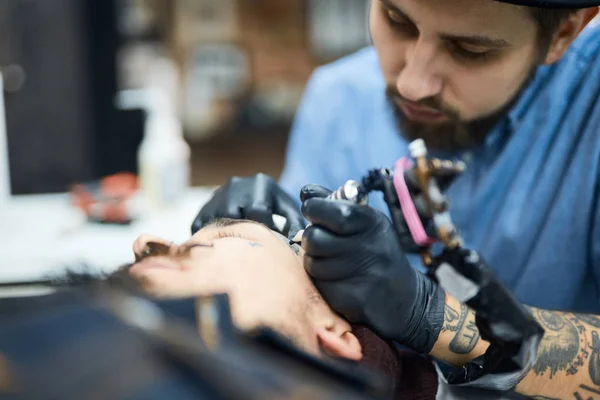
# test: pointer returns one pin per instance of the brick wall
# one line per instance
(274, 32)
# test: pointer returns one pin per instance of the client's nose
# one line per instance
(140, 245)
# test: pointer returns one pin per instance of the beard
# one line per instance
(455, 133)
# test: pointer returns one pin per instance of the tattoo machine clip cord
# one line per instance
(507, 325)
(435, 201)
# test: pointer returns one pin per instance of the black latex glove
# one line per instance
(255, 198)
(444, 176)
(313, 191)
(353, 256)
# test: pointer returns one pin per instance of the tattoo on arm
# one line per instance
(463, 323)
(589, 319)
(451, 319)
(586, 390)
(595, 359)
(564, 346)
(585, 393)
(567, 344)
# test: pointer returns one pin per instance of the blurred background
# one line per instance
(240, 70)
(221, 82)
(181, 94)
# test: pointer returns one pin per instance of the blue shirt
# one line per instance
(529, 200)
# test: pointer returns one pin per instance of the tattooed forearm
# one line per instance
(568, 359)
(589, 319)
(568, 364)
(595, 359)
(584, 392)
(560, 345)
(463, 323)
(587, 390)
(459, 340)
(451, 319)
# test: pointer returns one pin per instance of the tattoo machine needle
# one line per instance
(349, 191)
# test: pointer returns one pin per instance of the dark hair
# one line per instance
(548, 21)
(85, 276)
(227, 222)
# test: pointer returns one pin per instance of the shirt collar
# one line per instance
(510, 123)
(519, 110)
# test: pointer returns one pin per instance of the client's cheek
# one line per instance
(161, 288)
(246, 312)
(163, 283)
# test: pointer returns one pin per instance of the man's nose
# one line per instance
(141, 243)
(419, 79)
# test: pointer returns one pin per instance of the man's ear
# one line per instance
(567, 32)
(345, 345)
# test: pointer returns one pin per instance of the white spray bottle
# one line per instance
(163, 155)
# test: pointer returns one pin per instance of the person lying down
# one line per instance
(268, 286)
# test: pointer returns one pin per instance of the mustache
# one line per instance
(434, 102)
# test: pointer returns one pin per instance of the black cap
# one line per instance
(555, 3)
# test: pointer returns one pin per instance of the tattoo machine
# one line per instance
(513, 333)
(507, 325)
(351, 191)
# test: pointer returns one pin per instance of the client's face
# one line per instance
(262, 274)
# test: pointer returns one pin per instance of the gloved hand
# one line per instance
(445, 174)
(255, 198)
(354, 258)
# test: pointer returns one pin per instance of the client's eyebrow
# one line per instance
(229, 222)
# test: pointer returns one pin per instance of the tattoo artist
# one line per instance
(354, 257)
(356, 262)
(352, 253)
(514, 91)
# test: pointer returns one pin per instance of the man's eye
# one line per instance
(462, 53)
(395, 17)
(400, 24)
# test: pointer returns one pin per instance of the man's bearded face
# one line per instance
(452, 132)
(453, 68)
